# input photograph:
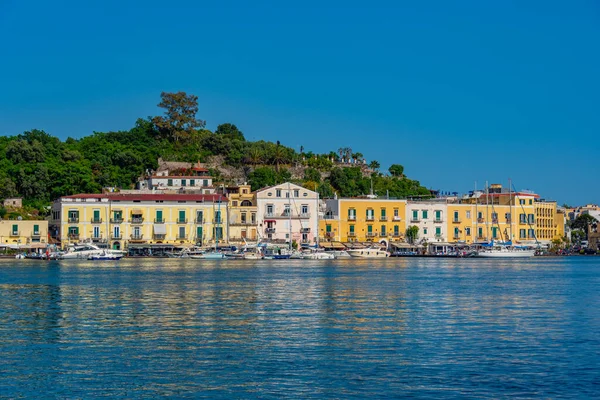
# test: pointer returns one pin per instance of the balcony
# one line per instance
(415, 219)
(116, 236)
(159, 220)
(494, 220)
(383, 234)
(480, 220)
(396, 234)
(351, 234)
(371, 234)
(438, 236)
(218, 221)
(182, 220)
(351, 217)
(304, 215)
(179, 237)
(159, 236)
(14, 233)
(397, 218)
(383, 218)
(329, 235)
(199, 221)
(438, 220)
(456, 221)
(73, 220)
(118, 220)
(97, 238)
(456, 236)
(480, 237)
(36, 234)
(137, 238)
(370, 218)
(96, 220)
(305, 230)
(136, 220)
(522, 222)
(73, 236)
(269, 230)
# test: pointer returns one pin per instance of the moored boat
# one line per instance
(368, 252)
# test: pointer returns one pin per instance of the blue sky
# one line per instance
(457, 92)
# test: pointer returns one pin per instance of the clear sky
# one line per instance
(458, 92)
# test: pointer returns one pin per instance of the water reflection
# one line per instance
(424, 327)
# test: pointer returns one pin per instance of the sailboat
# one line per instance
(503, 249)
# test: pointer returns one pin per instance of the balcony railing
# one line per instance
(14, 233)
(438, 235)
(370, 218)
(36, 234)
(396, 234)
(329, 234)
(136, 237)
(371, 234)
(159, 236)
(73, 220)
(182, 220)
(480, 220)
(74, 236)
(96, 220)
(97, 238)
(136, 220)
(383, 218)
(351, 234)
(305, 230)
(159, 220)
(383, 234)
(456, 221)
(413, 219)
(397, 218)
(522, 222)
(438, 220)
(179, 237)
(115, 236)
(351, 217)
(118, 220)
(494, 220)
(304, 215)
(199, 220)
(269, 230)
(456, 236)
(217, 220)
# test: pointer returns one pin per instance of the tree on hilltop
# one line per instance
(396, 170)
(179, 121)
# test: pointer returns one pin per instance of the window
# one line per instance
(456, 232)
(278, 193)
(116, 232)
(415, 215)
(438, 231)
(96, 234)
(352, 229)
(468, 231)
(530, 201)
(522, 234)
(424, 214)
(369, 229)
(494, 232)
(351, 214)
(192, 182)
(287, 194)
(304, 209)
(218, 217)
(246, 203)
(36, 230)
(530, 218)
(438, 215)
(468, 214)
(205, 182)
(507, 216)
(159, 216)
(480, 232)
(522, 218)
(137, 232)
(383, 232)
(15, 229)
(269, 210)
(521, 201)
(383, 213)
(243, 217)
(531, 233)
(183, 182)
(73, 216)
(456, 215)
(199, 216)
(370, 214)
(286, 210)
(169, 182)
(181, 232)
(305, 238)
(73, 230)
(181, 218)
(96, 216)
(494, 216)
(199, 234)
(479, 215)
(424, 231)
(296, 193)
(328, 228)
(218, 232)
(253, 218)
(396, 230)
(396, 213)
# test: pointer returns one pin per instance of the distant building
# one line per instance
(23, 234)
(13, 202)
(242, 213)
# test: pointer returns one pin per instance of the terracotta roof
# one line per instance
(148, 197)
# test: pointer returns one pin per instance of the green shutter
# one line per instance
(415, 214)
(351, 228)
(36, 228)
(438, 215)
(438, 231)
(192, 182)
(383, 212)
(15, 228)
(424, 214)
(199, 232)
(328, 228)
(370, 228)
(96, 215)
(181, 215)
(159, 215)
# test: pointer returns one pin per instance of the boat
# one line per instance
(502, 250)
(105, 257)
(317, 254)
(368, 252)
(338, 253)
(84, 251)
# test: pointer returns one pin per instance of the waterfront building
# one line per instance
(23, 234)
(143, 220)
(176, 177)
(242, 213)
(287, 212)
(430, 216)
(363, 219)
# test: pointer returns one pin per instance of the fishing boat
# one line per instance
(369, 252)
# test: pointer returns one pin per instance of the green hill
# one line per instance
(40, 167)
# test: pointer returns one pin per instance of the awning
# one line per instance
(271, 220)
(160, 229)
(136, 211)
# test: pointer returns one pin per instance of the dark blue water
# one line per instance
(301, 329)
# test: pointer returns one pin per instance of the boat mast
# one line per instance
(476, 212)
(510, 201)
(290, 215)
(487, 210)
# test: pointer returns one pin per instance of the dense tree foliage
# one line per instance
(40, 167)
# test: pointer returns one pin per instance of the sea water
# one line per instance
(399, 327)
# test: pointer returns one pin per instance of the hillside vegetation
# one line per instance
(40, 167)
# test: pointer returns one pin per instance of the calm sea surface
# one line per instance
(141, 328)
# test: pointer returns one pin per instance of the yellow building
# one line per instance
(502, 215)
(242, 213)
(363, 220)
(23, 234)
(140, 220)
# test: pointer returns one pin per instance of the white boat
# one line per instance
(85, 251)
(339, 253)
(209, 255)
(502, 251)
(369, 252)
(317, 254)
(105, 257)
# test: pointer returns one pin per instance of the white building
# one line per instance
(430, 216)
(287, 212)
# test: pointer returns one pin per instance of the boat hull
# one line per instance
(368, 253)
(506, 254)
